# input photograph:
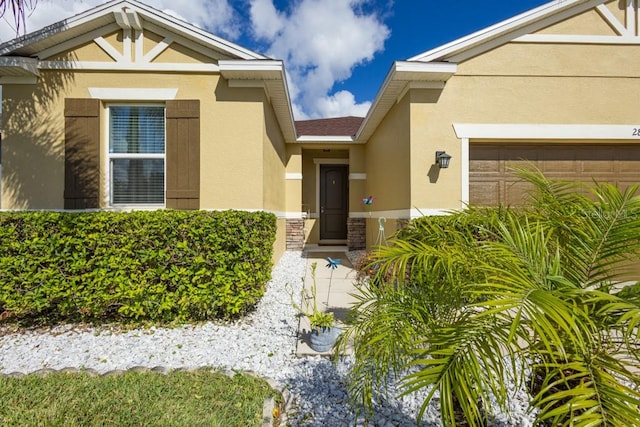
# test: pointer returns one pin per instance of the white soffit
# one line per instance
(546, 131)
(272, 73)
(323, 139)
(16, 66)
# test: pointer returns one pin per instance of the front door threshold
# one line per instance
(327, 242)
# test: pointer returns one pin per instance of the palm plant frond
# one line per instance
(460, 305)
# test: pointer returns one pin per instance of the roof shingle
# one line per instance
(337, 126)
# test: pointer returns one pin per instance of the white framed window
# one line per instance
(136, 155)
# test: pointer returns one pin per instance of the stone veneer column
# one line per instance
(356, 233)
(295, 234)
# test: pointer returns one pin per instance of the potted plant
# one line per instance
(324, 332)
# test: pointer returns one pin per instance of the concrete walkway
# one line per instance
(334, 287)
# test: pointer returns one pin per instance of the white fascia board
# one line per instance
(321, 139)
(501, 28)
(577, 39)
(133, 94)
(428, 69)
(545, 131)
(70, 44)
(26, 66)
(263, 65)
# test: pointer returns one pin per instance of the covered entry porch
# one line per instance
(330, 189)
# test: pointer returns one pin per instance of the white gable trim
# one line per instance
(137, 14)
(131, 66)
(138, 36)
(577, 39)
(505, 31)
(546, 131)
(158, 49)
(196, 47)
(70, 44)
(109, 50)
(631, 14)
(608, 16)
(133, 94)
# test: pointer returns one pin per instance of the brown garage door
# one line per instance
(491, 182)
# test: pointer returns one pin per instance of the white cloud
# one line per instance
(321, 42)
(341, 103)
(269, 22)
(217, 16)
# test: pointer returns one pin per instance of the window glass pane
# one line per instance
(136, 129)
(137, 181)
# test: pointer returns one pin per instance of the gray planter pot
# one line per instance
(322, 339)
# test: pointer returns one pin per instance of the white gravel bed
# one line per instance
(264, 342)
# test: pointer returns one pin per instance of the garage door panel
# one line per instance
(599, 167)
(486, 159)
(491, 180)
(485, 193)
(516, 192)
(559, 160)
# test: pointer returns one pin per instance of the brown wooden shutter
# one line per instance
(183, 154)
(81, 153)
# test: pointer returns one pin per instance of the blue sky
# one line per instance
(336, 52)
(418, 26)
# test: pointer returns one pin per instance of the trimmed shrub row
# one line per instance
(114, 266)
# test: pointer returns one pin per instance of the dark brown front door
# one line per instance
(334, 201)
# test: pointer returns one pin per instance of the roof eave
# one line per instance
(325, 139)
(148, 13)
(272, 74)
(485, 36)
(17, 66)
(402, 72)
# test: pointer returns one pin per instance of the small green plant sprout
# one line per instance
(309, 306)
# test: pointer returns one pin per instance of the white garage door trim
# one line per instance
(468, 131)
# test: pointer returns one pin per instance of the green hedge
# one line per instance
(144, 266)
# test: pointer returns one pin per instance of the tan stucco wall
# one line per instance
(388, 163)
(232, 135)
(589, 22)
(280, 245)
(274, 163)
(293, 187)
(521, 84)
(33, 144)
(176, 53)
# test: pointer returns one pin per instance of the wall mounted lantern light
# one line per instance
(442, 159)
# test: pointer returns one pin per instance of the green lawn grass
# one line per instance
(198, 398)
